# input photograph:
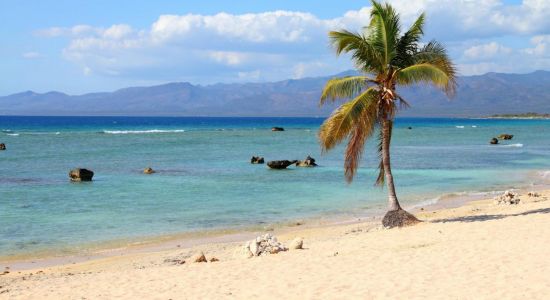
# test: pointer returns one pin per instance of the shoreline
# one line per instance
(189, 239)
(492, 249)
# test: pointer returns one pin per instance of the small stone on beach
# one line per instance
(199, 257)
(296, 243)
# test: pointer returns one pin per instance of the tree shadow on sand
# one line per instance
(482, 218)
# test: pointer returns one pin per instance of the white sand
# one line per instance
(481, 251)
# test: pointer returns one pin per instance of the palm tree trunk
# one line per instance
(396, 216)
(393, 203)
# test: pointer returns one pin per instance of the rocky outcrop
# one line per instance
(508, 198)
(277, 129)
(308, 162)
(257, 160)
(81, 175)
(262, 245)
(493, 141)
(280, 164)
(2, 146)
(149, 171)
(505, 137)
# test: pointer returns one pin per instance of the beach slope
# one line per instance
(477, 251)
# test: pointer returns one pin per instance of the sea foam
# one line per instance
(142, 131)
(513, 146)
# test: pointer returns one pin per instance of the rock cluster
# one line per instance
(2, 146)
(263, 245)
(533, 194)
(198, 257)
(507, 198)
(81, 175)
(308, 162)
(277, 129)
(257, 160)
(493, 141)
(280, 164)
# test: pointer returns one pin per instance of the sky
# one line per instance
(103, 45)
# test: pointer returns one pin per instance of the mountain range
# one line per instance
(491, 93)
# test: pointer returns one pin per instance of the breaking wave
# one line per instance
(142, 131)
(513, 145)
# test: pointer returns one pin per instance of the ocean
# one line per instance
(205, 181)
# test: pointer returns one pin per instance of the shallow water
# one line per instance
(205, 180)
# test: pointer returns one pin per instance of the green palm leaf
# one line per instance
(342, 121)
(363, 54)
(343, 88)
(423, 73)
(384, 31)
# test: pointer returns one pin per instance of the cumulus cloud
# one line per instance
(486, 51)
(495, 57)
(283, 44)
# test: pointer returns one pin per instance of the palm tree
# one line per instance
(385, 58)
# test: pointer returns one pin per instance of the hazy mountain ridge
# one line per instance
(491, 93)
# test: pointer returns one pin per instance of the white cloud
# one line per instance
(228, 58)
(486, 51)
(282, 44)
(77, 30)
(541, 46)
(117, 32)
(494, 57)
(32, 55)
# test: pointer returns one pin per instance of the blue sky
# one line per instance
(87, 46)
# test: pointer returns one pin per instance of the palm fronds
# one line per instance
(343, 88)
(342, 121)
(391, 58)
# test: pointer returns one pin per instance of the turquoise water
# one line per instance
(205, 180)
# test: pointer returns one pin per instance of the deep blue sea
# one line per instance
(205, 180)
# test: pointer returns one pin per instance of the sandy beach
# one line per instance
(477, 251)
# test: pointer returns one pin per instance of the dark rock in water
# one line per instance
(280, 164)
(494, 141)
(149, 171)
(81, 175)
(2, 146)
(277, 129)
(410, 127)
(257, 160)
(505, 137)
(308, 162)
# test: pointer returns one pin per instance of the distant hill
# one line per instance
(491, 93)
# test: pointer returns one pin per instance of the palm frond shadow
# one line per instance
(481, 218)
